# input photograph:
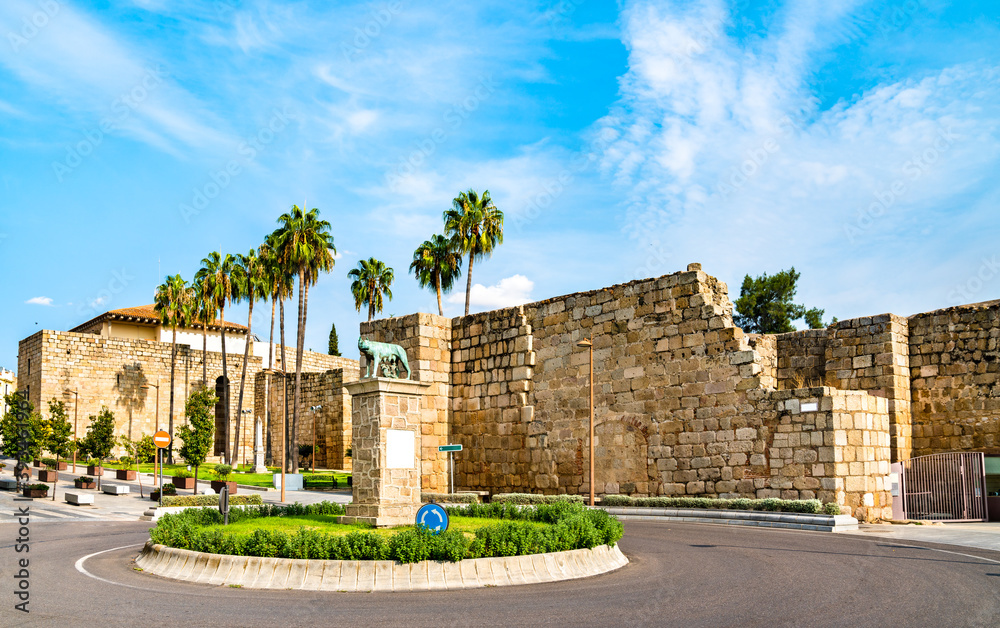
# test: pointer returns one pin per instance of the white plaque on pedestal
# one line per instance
(400, 446)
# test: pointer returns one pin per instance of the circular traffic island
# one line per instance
(306, 548)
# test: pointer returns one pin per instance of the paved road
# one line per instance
(681, 574)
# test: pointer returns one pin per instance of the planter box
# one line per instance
(36, 463)
(61, 466)
(217, 486)
(185, 483)
(84, 485)
(92, 470)
(36, 492)
(44, 475)
(125, 474)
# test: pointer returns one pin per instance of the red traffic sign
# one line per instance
(161, 439)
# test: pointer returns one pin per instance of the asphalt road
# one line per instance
(680, 575)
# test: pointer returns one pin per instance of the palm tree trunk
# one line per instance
(437, 286)
(243, 379)
(270, 340)
(204, 355)
(468, 285)
(270, 366)
(371, 307)
(284, 395)
(225, 389)
(300, 345)
(170, 420)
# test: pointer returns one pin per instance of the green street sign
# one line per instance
(450, 448)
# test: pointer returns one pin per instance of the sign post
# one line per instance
(224, 504)
(162, 440)
(451, 449)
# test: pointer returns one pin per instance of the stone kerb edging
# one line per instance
(787, 520)
(376, 575)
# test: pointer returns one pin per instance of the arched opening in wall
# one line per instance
(621, 458)
(221, 434)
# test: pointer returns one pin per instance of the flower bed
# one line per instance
(532, 498)
(516, 532)
(211, 500)
(771, 504)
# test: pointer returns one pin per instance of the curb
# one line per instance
(254, 572)
(786, 520)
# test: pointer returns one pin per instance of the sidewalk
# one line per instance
(978, 535)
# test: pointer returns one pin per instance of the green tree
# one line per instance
(58, 439)
(174, 303)
(196, 435)
(280, 284)
(249, 284)
(305, 245)
(372, 281)
(218, 270)
(21, 442)
(100, 439)
(475, 225)
(765, 304)
(437, 264)
(333, 347)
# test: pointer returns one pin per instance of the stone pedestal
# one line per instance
(258, 449)
(385, 428)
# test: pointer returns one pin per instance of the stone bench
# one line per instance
(115, 489)
(80, 498)
(8, 484)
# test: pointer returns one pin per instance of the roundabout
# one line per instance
(679, 574)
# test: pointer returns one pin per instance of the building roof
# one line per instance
(146, 315)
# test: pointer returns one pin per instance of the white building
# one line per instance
(8, 384)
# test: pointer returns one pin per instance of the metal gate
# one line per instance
(944, 487)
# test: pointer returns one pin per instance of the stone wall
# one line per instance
(955, 379)
(802, 358)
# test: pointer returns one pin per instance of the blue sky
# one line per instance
(857, 141)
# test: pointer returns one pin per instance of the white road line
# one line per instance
(79, 566)
(989, 560)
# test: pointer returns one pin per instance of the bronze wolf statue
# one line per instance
(389, 356)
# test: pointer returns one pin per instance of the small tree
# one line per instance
(58, 441)
(22, 439)
(333, 348)
(765, 305)
(197, 434)
(100, 437)
(131, 448)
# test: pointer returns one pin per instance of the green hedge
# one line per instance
(772, 504)
(573, 527)
(451, 498)
(532, 498)
(211, 500)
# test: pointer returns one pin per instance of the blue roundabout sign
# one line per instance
(432, 517)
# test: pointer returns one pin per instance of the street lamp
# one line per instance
(76, 407)
(284, 375)
(589, 344)
(313, 457)
(243, 436)
(147, 386)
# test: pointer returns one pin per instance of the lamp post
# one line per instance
(589, 344)
(283, 422)
(312, 459)
(243, 437)
(76, 413)
(147, 386)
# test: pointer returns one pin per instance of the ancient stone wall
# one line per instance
(802, 358)
(955, 379)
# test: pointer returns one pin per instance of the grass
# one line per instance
(206, 473)
(329, 525)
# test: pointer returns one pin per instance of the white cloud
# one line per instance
(39, 301)
(98, 302)
(508, 292)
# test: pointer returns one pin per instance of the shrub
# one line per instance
(85, 478)
(169, 489)
(831, 508)
(183, 474)
(452, 498)
(222, 471)
(212, 500)
(531, 498)
(37, 487)
(50, 463)
(773, 504)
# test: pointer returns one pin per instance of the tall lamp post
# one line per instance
(589, 344)
(243, 437)
(147, 386)
(312, 459)
(76, 413)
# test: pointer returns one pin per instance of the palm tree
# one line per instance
(280, 284)
(305, 245)
(248, 281)
(475, 225)
(203, 310)
(437, 264)
(217, 270)
(173, 302)
(372, 280)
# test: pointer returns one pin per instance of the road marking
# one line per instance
(989, 560)
(79, 566)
